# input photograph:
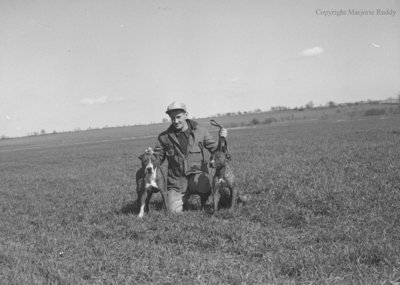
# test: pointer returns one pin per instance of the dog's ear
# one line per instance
(141, 156)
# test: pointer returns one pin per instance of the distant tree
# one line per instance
(165, 120)
(3, 137)
(42, 131)
(331, 104)
(310, 105)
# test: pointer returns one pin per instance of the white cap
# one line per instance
(176, 106)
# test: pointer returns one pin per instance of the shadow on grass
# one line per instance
(129, 208)
(134, 207)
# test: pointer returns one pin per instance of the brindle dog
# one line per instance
(224, 179)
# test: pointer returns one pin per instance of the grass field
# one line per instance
(324, 208)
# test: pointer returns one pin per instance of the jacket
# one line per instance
(181, 164)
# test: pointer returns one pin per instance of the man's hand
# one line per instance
(223, 132)
(158, 149)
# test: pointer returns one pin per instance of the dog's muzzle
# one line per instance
(149, 170)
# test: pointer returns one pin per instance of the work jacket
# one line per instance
(180, 163)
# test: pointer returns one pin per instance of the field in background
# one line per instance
(324, 208)
(345, 112)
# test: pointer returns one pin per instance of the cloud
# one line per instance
(100, 100)
(234, 79)
(94, 101)
(312, 51)
(376, 45)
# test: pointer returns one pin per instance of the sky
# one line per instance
(78, 64)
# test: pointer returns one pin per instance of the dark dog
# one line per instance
(150, 179)
(224, 179)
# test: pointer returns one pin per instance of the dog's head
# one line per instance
(150, 160)
(221, 156)
(219, 159)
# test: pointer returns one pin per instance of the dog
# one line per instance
(150, 179)
(224, 179)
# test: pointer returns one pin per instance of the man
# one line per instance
(182, 144)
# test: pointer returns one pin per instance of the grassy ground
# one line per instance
(324, 209)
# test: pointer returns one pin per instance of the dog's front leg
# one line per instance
(147, 202)
(203, 200)
(233, 190)
(216, 194)
(143, 201)
(140, 193)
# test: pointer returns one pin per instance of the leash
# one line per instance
(221, 139)
(215, 124)
(204, 162)
(201, 149)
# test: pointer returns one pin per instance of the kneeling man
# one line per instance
(182, 144)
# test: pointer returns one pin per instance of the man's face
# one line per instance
(178, 120)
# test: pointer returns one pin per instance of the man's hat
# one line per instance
(175, 106)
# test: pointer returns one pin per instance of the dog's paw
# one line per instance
(242, 199)
(141, 213)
